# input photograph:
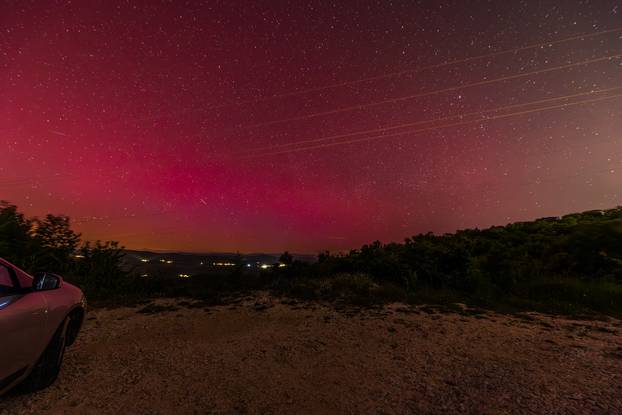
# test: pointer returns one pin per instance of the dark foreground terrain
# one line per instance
(264, 355)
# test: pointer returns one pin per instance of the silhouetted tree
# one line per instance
(323, 256)
(286, 258)
(100, 269)
(58, 242)
(49, 244)
(16, 242)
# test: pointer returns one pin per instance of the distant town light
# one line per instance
(79, 256)
(144, 275)
(223, 264)
(184, 276)
(169, 261)
(265, 266)
(144, 260)
(282, 265)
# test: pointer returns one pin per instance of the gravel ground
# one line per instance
(266, 356)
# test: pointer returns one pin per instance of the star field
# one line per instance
(257, 126)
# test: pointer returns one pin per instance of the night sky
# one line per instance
(265, 126)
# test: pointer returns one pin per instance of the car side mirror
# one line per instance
(46, 281)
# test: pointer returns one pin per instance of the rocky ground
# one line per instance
(262, 355)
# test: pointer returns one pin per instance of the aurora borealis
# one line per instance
(266, 126)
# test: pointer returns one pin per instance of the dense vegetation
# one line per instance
(50, 245)
(568, 264)
(571, 264)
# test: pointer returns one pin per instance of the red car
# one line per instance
(39, 317)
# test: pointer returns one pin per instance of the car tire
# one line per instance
(48, 366)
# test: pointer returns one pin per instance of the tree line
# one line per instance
(49, 244)
(571, 263)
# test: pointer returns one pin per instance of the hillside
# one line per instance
(171, 264)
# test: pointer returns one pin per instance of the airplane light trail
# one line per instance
(404, 125)
(435, 92)
(485, 119)
(303, 91)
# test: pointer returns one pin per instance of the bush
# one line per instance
(100, 272)
(576, 296)
(571, 263)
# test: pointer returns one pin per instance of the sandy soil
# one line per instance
(265, 356)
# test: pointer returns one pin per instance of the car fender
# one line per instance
(61, 303)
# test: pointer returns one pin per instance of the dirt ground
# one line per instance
(266, 356)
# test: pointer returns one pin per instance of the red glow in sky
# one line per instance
(200, 127)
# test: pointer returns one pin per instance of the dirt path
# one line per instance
(294, 359)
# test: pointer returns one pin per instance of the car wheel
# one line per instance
(47, 368)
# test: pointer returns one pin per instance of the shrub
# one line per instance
(99, 270)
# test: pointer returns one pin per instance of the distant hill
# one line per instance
(173, 263)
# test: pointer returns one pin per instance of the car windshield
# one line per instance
(7, 287)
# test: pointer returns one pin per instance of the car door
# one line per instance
(22, 319)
